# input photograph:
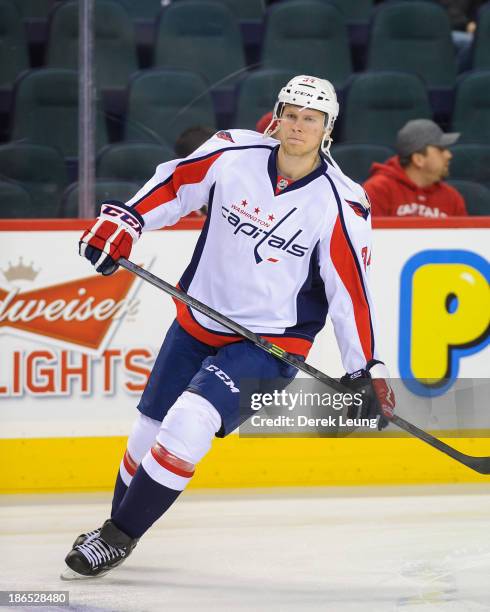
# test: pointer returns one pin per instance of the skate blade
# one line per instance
(69, 574)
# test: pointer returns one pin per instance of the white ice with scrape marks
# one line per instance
(335, 550)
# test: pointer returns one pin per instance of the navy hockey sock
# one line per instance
(145, 502)
(119, 492)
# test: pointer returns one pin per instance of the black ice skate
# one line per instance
(98, 554)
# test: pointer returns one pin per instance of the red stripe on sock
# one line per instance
(171, 462)
(130, 464)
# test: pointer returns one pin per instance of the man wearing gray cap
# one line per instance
(410, 184)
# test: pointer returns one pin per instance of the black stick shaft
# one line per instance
(479, 464)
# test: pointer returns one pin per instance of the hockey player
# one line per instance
(287, 237)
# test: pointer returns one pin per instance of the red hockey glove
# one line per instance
(384, 393)
(379, 399)
(111, 236)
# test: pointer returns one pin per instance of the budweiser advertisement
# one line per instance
(76, 347)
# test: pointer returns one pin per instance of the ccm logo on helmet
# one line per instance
(303, 93)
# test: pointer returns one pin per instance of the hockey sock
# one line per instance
(145, 502)
(127, 470)
(140, 440)
(119, 491)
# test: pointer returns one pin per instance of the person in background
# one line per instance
(191, 139)
(463, 16)
(410, 184)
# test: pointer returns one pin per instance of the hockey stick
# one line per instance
(479, 464)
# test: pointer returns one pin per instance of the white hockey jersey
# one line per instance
(274, 257)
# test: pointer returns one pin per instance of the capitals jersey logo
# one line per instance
(289, 245)
(225, 136)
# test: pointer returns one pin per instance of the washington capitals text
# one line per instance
(272, 239)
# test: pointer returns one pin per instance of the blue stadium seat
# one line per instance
(13, 50)
(132, 161)
(104, 190)
(40, 170)
(481, 50)
(379, 104)
(202, 36)
(46, 111)
(415, 37)
(163, 103)
(476, 196)
(114, 49)
(471, 115)
(257, 95)
(15, 202)
(471, 162)
(356, 160)
(307, 37)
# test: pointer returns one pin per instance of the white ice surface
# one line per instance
(335, 550)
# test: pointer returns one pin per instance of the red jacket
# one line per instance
(392, 193)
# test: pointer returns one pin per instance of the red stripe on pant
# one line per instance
(171, 462)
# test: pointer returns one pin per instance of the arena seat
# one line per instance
(33, 9)
(104, 190)
(476, 196)
(141, 9)
(471, 162)
(471, 115)
(481, 50)
(246, 9)
(13, 45)
(114, 49)
(201, 36)
(15, 202)
(379, 104)
(355, 10)
(307, 37)
(257, 95)
(355, 160)
(46, 111)
(134, 162)
(41, 172)
(413, 37)
(163, 103)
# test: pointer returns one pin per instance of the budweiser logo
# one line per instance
(79, 312)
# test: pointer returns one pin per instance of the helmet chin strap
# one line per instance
(269, 132)
(326, 143)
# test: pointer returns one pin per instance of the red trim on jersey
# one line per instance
(343, 261)
(298, 346)
(130, 464)
(171, 462)
(185, 174)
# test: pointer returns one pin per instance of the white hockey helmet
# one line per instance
(308, 92)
